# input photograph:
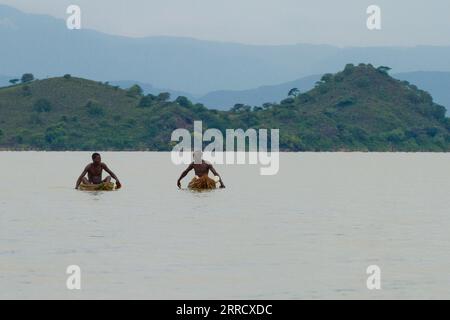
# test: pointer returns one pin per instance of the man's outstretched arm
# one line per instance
(216, 174)
(184, 174)
(105, 167)
(81, 177)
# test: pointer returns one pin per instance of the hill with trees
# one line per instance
(436, 83)
(359, 109)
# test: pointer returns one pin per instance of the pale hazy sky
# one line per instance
(343, 22)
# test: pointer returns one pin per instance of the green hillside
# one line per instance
(361, 108)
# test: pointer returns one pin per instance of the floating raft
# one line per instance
(202, 183)
(110, 186)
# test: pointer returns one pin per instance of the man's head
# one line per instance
(198, 157)
(96, 158)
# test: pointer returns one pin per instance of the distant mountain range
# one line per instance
(148, 88)
(224, 100)
(44, 46)
(436, 83)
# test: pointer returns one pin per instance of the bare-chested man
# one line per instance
(94, 171)
(201, 169)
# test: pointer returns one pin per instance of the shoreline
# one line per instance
(281, 151)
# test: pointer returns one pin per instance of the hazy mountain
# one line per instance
(44, 46)
(223, 100)
(150, 89)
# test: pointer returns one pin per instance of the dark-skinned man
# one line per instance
(201, 180)
(94, 171)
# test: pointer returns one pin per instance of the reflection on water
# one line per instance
(309, 232)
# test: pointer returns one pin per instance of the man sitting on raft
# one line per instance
(95, 171)
(201, 180)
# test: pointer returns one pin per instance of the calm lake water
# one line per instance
(309, 232)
